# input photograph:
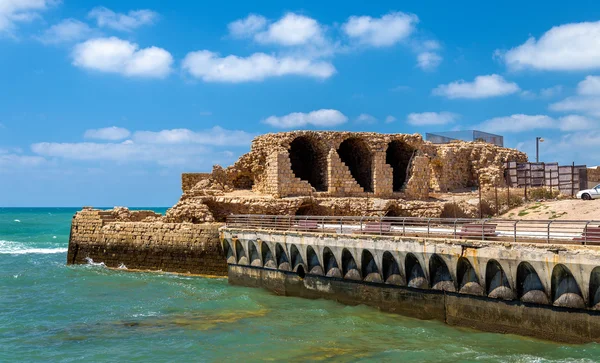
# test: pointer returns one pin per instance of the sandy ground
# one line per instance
(567, 209)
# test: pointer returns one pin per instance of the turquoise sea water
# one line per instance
(53, 312)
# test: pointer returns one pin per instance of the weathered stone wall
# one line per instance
(171, 247)
(188, 180)
(593, 176)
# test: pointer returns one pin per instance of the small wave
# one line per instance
(17, 220)
(122, 266)
(91, 262)
(19, 248)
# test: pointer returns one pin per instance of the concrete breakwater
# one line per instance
(135, 241)
(540, 290)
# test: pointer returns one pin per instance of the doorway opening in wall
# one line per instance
(398, 156)
(355, 153)
(308, 156)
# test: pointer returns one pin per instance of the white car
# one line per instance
(589, 194)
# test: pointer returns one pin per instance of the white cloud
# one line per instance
(15, 161)
(590, 86)
(574, 46)
(389, 119)
(114, 55)
(587, 99)
(544, 93)
(482, 87)
(431, 118)
(248, 26)
(381, 32)
(365, 118)
(19, 11)
(215, 136)
(292, 30)
(210, 67)
(320, 118)
(428, 60)
(166, 147)
(108, 133)
(106, 18)
(68, 30)
(521, 122)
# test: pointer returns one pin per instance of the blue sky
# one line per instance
(106, 102)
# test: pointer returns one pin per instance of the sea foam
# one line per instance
(20, 248)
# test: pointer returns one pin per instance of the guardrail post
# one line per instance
(341, 225)
(585, 233)
(548, 239)
(404, 227)
(380, 227)
(455, 220)
(361, 223)
(323, 224)
(428, 221)
(515, 227)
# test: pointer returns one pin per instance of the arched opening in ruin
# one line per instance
(282, 260)
(243, 182)
(439, 275)
(468, 282)
(314, 266)
(396, 211)
(355, 153)
(496, 282)
(228, 251)
(332, 268)
(594, 291)
(254, 256)
(391, 270)
(312, 210)
(529, 285)
(349, 266)
(296, 258)
(241, 254)
(398, 155)
(565, 290)
(369, 267)
(415, 276)
(308, 157)
(267, 256)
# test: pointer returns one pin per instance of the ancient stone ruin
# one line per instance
(341, 173)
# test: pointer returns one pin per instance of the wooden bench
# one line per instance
(589, 235)
(306, 225)
(375, 228)
(478, 230)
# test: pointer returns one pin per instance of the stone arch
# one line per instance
(496, 282)
(267, 256)
(254, 256)
(529, 285)
(241, 254)
(594, 291)
(308, 157)
(355, 153)
(398, 155)
(415, 277)
(229, 253)
(314, 266)
(439, 274)
(349, 266)
(466, 276)
(296, 258)
(312, 210)
(370, 271)
(332, 268)
(283, 263)
(565, 290)
(391, 270)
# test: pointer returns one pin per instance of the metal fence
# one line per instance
(465, 135)
(568, 179)
(501, 230)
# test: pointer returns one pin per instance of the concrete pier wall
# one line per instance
(548, 291)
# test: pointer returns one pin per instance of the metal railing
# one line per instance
(502, 230)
